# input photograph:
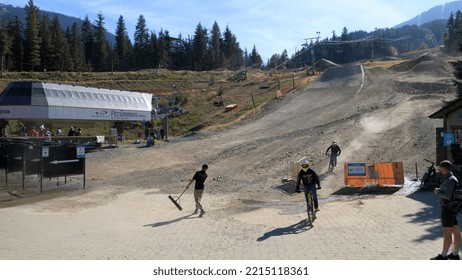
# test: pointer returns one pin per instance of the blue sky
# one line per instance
(272, 25)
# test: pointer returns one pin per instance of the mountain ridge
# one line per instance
(8, 12)
(436, 13)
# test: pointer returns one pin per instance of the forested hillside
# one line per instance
(40, 43)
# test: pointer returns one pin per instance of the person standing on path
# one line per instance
(445, 192)
(199, 178)
(310, 181)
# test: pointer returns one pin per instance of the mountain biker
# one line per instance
(445, 191)
(310, 181)
(335, 151)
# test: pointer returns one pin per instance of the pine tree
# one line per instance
(16, 31)
(255, 59)
(76, 49)
(200, 48)
(334, 36)
(283, 59)
(60, 58)
(141, 44)
(246, 58)
(6, 44)
(345, 36)
(216, 53)
(101, 46)
(274, 60)
(228, 43)
(45, 50)
(88, 42)
(122, 43)
(32, 39)
(154, 56)
(232, 51)
(163, 48)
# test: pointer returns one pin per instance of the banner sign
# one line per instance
(357, 169)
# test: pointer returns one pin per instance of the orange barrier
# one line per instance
(366, 174)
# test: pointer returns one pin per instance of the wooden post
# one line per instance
(253, 100)
(293, 80)
(279, 83)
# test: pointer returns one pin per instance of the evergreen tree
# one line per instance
(6, 44)
(200, 48)
(233, 53)
(216, 52)
(16, 30)
(32, 39)
(154, 54)
(76, 48)
(141, 44)
(163, 48)
(186, 54)
(283, 59)
(101, 46)
(255, 59)
(345, 36)
(60, 58)
(45, 50)
(122, 43)
(246, 58)
(228, 43)
(273, 62)
(334, 36)
(88, 42)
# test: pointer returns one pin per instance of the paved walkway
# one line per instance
(145, 225)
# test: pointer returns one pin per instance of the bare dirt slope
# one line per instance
(367, 111)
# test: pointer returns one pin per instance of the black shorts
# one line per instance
(448, 217)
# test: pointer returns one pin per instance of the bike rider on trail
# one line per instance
(310, 181)
(335, 151)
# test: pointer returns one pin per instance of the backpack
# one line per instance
(455, 203)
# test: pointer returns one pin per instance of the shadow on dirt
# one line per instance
(287, 188)
(297, 228)
(373, 190)
(166, 223)
(429, 215)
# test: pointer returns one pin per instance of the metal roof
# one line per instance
(449, 108)
(39, 100)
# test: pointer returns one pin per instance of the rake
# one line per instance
(175, 201)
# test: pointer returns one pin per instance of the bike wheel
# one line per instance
(423, 182)
(331, 165)
(310, 209)
(313, 212)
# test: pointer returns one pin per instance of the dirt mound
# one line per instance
(410, 64)
(437, 68)
(324, 64)
(425, 65)
(336, 77)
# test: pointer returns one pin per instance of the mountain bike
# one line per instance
(429, 178)
(310, 207)
(332, 162)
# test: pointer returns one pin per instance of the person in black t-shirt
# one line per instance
(311, 182)
(199, 178)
